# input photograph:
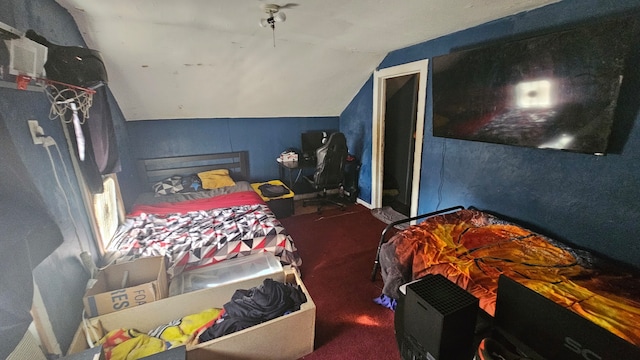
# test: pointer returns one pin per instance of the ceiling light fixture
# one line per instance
(274, 15)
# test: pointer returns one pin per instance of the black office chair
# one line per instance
(329, 173)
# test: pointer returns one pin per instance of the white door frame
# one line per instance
(420, 67)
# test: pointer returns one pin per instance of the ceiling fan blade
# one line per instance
(288, 5)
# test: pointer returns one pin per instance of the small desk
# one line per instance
(290, 167)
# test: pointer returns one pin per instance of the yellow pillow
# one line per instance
(214, 179)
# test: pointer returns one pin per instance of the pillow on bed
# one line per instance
(170, 185)
(214, 179)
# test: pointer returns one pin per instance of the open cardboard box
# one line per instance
(290, 336)
(145, 281)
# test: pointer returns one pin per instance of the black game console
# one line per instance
(541, 329)
(436, 320)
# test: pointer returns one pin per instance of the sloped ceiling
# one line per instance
(210, 58)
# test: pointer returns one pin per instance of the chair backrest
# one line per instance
(331, 158)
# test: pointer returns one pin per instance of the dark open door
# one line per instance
(399, 140)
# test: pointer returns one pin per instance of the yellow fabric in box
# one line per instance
(214, 179)
(130, 344)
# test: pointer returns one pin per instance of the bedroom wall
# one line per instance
(60, 277)
(265, 138)
(587, 200)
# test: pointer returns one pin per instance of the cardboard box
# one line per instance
(289, 336)
(146, 281)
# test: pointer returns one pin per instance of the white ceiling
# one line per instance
(210, 59)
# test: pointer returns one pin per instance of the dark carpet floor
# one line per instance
(337, 248)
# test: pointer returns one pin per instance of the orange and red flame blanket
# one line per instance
(472, 248)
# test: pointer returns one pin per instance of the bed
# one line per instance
(472, 248)
(195, 227)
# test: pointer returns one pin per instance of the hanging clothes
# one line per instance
(101, 149)
(103, 135)
(88, 166)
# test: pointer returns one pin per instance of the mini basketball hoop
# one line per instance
(65, 97)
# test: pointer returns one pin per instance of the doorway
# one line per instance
(399, 97)
(399, 133)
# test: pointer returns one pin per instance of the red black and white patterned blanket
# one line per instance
(194, 238)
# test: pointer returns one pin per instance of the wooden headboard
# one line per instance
(154, 170)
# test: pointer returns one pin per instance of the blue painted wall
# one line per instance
(60, 277)
(264, 138)
(591, 201)
(356, 124)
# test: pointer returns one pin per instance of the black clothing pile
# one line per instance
(254, 306)
(271, 191)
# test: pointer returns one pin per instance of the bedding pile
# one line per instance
(472, 249)
(202, 232)
(206, 180)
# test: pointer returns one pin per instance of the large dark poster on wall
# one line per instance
(557, 90)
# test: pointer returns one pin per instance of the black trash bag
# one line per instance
(73, 65)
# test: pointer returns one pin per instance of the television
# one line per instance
(556, 90)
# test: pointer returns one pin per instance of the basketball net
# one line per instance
(62, 96)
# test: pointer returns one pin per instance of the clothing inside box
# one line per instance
(197, 319)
